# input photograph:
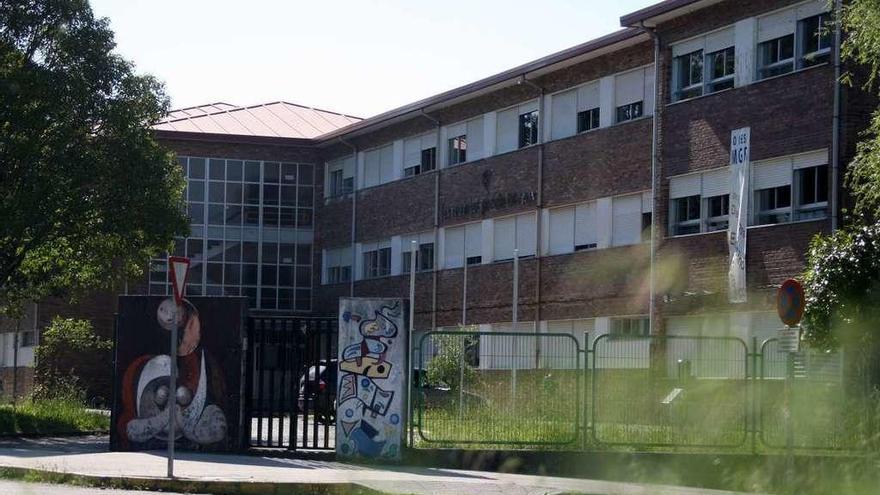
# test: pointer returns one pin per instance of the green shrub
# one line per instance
(67, 346)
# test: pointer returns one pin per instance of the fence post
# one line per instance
(583, 407)
(755, 384)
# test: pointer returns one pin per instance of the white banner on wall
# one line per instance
(739, 208)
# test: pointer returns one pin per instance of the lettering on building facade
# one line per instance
(497, 202)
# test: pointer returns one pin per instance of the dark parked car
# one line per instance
(317, 391)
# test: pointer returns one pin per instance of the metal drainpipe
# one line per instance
(436, 220)
(654, 140)
(538, 219)
(835, 129)
(354, 190)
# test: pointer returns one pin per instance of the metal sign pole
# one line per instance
(463, 342)
(412, 315)
(178, 268)
(515, 314)
(789, 429)
(172, 393)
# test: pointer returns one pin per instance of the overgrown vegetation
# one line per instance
(51, 417)
(60, 366)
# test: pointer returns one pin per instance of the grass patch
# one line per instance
(50, 417)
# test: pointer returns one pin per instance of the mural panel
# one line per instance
(372, 378)
(207, 396)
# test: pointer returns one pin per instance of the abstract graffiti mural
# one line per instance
(207, 396)
(372, 377)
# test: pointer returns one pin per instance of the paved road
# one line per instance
(21, 488)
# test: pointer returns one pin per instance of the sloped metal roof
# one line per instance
(277, 119)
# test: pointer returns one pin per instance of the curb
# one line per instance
(182, 485)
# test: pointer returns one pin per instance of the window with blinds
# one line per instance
(516, 232)
(379, 166)
(463, 244)
(338, 265)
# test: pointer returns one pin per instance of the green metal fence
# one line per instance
(515, 388)
(549, 389)
(666, 391)
(822, 415)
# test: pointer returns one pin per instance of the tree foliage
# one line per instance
(842, 284)
(842, 277)
(453, 361)
(86, 193)
(861, 48)
(60, 366)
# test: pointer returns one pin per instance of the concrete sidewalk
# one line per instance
(214, 473)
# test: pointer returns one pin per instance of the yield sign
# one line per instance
(178, 270)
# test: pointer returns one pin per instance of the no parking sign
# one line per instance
(790, 303)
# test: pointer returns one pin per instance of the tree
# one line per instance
(87, 195)
(842, 277)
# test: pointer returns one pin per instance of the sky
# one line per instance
(358, 57)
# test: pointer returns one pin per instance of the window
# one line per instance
(528, 129)
(588, 120)
(338, 269)
(378, 166)
(718, 212)
(647, 218)
(689, 69)
(457, 150)
(630, 327)
(626, 219)
(629, 112)
(424, 253)
(633, 93)
(574, 111)
(774, 204)
(377, 262)
(699, 201)
(721, 69)
(514, 233)
(776, 56)
(340, 178)
(429, 159)
(419, 154)
(28, 339)
(812, 186)
(815, 39)
(572, 228)
(463, 244)
(687, 215)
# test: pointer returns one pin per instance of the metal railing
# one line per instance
(498, 388)
(546, 389)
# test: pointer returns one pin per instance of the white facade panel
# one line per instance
(504, 238)
(585, 231)
(507, 137)
(626, 221)
(561, 230)
(564, 114)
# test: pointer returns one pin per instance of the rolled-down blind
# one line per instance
(474, 130)
(372, 168)
(526, 234)
(507, 138)
(776, 25)
(473, 239)
(561, 230)
(809, 9)
(688, 46)
(626, 220)
(771, 173)
(684, 186)
(504, 238)
(563, 114)
(453, 246)
(585, 224)
(588, 97)
(716, 182)
(629, 87)
(719, 40)
(811, 159)
(412, 151)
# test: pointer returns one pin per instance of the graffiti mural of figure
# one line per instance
(371, 369)
(199, 395)
(375, 333)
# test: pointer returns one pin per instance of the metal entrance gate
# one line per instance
(291, 382)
